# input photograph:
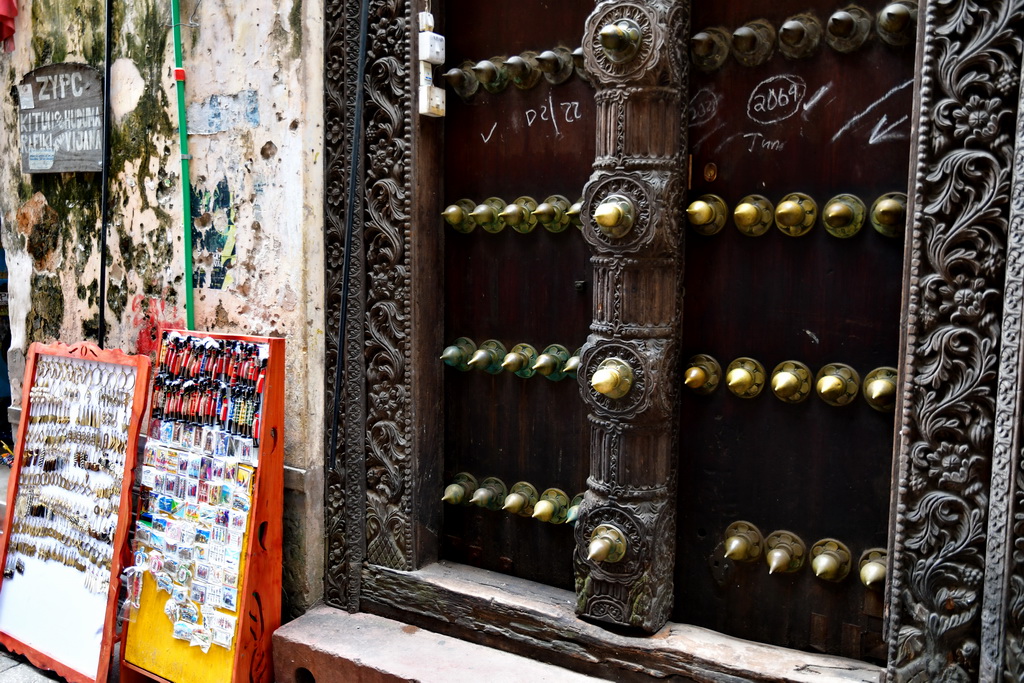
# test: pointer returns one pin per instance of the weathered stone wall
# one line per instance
(254, 98)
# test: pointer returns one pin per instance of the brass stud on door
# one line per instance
(489, 357)
(880, 389)
(791, 381)
(458, 215)
(843, 216)
(837, 384)
(615, 215)
(488, 215)
(519, 214)
(753, 42)
(703, 374)
(621, 40)
(889, 214)
(573, 513)
(848, 29)
(492, 74)
(462, 80)
(574, 213)
(551, 362)
(745, 377)
(799, 36)
(607, 544)
(556, 65)
(520, 360)
(551, 213)
(795, 214)
(786, 552)
(572, 365)
(613, 378)
(522, 70)
(710, 48)
(458, 354)
(873, 567)
(830, 559)
(707, 214)
(490, 494)
(459, 491)
(743, 542)
(521, 499)
(897, 22)
(552, 507)
(754, 215)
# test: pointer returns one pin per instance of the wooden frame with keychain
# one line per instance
(69, 506)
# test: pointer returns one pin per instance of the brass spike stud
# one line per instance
(873, 567)
(896, 22)
(556, 65)
(621, 40)
(489, 357)
(709, 49)
(574, 213)
(796, 214)
(844, 216)
(889, 214)
(572, 365)
(799, 36)
(752, 43)
(523, 70)
(521, 499)
(615, 215)
(786, 552)
(848, 29)
(573, 513)
(520, 360)
(458, 354)
(462, 487)
(551, 362)
(830, 559)
(791, 381)
(551, 213)
(492, 74)
(880, 388)
(462, 80)
(837, 384)
(488, 215)
(707, 214)
(745, 377)
(607, 544)
(754, 215)
(552, 507)
(491, 494)
(743, 542)
(703, 374)
(613, 378)
(518, 215)
(458, 216)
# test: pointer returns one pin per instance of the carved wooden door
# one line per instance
(799, 141)
(517, 128)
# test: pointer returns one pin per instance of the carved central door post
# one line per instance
(625, 536)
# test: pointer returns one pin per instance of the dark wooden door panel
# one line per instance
(517, 288)
(828, 124)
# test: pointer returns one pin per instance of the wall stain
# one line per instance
(47, 311)
(213, 232)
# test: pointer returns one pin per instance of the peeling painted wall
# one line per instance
(254, 102)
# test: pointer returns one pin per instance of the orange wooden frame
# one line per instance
(90, 352)
(259, 598)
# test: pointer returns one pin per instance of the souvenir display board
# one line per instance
(69, 506)
(205, 586)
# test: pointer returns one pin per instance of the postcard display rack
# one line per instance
(205, 585)
(69, 506)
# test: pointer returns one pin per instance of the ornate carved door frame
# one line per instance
(956, 588)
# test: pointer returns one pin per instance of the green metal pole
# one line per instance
(186, 186)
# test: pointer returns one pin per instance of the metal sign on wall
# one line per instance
(60, 121)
